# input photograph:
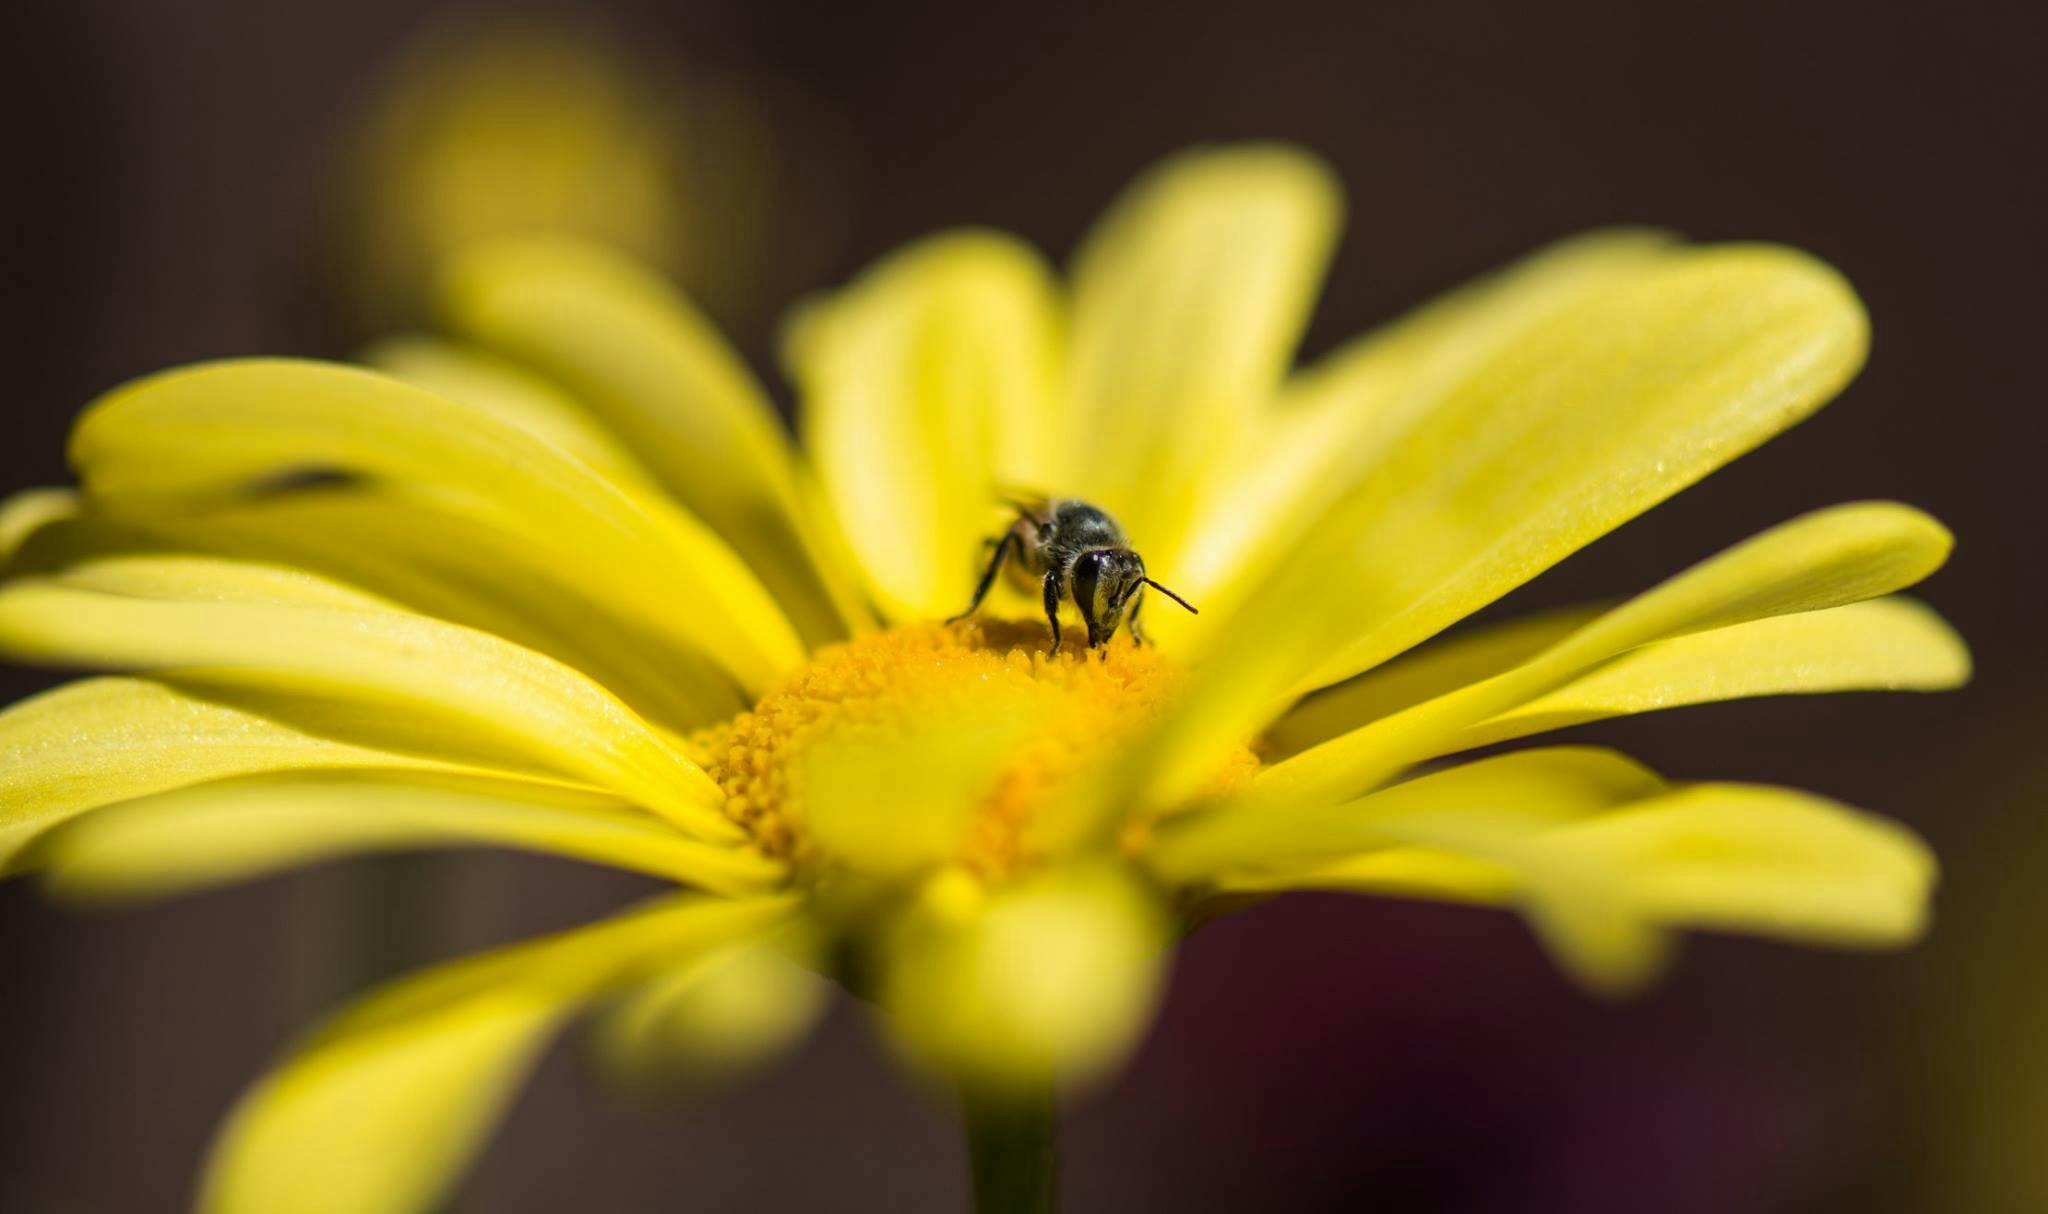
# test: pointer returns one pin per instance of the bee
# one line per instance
(1072, 548)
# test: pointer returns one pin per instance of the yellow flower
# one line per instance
(492, 128)
(507, 129)
(560, 582)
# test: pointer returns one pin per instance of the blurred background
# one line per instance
(186, 181)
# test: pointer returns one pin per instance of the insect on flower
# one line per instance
(1072, 548)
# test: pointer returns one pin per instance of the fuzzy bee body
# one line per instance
(1070, 549)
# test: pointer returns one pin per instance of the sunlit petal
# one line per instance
(1889, 644)
(444, 689)
(380, 1110)
(646, 362)
(926, 394)
(99, 741)
(1190, 296)
(1825, 559)
(1580, 422)
(210, 432)
(1230, 845)
(508, 392)
(1438, 668)
(1584, 421)
(1336, 420)
(419, 549)
(229, 830)
(1603, 890)
(1772, 861)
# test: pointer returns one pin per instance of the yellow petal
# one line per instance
(1591, 932)
(27, 512)
(1480, 833)
(99, 741)
(1011, 989)
(508, 392)
(230, 830)
(432, 552)
(1578, 909)
(1604, 889)
(1231, 845)
(1336, 420)
(925, 387)
(379, 1112)
(716, 1018)
(1190, 296)
(200, 434)
(424, 552)
(160, 576)
(1409, 363)
(1889, 644)
(1772, 861)
(1587, 420)
(1577, 424)
(1438, 668)
(641, 358)
(1825, 559)
(422, 684)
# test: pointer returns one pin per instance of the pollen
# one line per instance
(943, 740)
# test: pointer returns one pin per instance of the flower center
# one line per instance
(934, 743)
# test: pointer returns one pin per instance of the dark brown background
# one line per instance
(167, 168)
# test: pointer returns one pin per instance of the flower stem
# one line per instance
(1013, 1145)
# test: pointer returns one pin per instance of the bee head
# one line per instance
(1104, 583)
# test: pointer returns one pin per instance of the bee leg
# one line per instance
(988, 577)
(1053, 590)
(1138, 636)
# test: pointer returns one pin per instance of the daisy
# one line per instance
(560, 581)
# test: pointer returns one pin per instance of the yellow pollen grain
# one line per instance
(1071, 710)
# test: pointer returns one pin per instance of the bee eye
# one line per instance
(1087, 576)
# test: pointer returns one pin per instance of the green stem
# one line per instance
(1014, 1148)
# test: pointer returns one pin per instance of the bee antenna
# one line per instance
(1170, 594)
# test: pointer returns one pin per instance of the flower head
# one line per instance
(562, 583)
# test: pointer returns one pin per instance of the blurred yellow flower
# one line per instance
(493, 129)
(563, 583)
(512, 130)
